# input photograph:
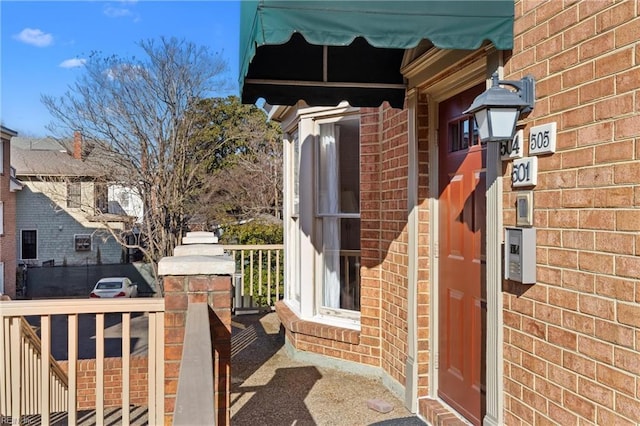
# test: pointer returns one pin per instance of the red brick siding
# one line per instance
(86, 381)
(394, 241)
(572, 343)
(371, 231)
(8, 241)
(424, 296)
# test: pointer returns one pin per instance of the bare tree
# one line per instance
(138, 108)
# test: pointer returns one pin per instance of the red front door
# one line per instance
(462, 283)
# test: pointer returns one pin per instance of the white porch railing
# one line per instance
(350, 278)
(259, 278)
(31, 383)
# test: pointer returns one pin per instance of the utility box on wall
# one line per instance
(520, 255)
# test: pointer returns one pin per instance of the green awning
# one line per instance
(328, 51)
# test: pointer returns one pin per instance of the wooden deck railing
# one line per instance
(31, 377)
(32, 382)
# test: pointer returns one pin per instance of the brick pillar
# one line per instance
(198, 273)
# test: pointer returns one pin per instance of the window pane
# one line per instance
(342, 263)
(29, 244)
(339, 168)
(349, 166)
(296, 173)
(465, 134)
(73, 194)
(328, 170)
(339, 195)
(101, 200)
(454, 137)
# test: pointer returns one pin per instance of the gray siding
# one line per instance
(56, 229)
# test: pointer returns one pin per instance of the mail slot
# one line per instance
(520, 255)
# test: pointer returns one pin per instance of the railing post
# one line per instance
(198, 273)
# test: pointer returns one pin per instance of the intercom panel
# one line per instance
(520, 255)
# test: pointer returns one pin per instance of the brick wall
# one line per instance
(572, 341)
(424, 355)
(370, 233)
(86, 380)
(8, 252)
(394, 241)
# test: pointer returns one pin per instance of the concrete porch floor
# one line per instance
(269, 388)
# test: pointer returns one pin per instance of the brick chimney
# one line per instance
(77, 145)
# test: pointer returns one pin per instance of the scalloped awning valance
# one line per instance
(325, 52)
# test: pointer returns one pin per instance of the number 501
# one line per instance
(525, 172)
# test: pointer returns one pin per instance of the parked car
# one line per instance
(114, 287)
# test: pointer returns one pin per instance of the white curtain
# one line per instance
(329, 205)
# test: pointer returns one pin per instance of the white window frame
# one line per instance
(293, 291)
(1, 156)
(333, 316)
(301, 231)
(1, 217)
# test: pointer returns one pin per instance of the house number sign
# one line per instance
(513, 148)
(525, 172)
(542, 139)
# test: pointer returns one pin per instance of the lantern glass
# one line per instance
(482, 121)
(502, 122)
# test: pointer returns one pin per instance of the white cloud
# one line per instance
(123, 9)
(116, 12)
(124, 71)
(72, 63)
(34, 37)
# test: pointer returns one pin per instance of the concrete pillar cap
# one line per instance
(200, 237)
(196, 265)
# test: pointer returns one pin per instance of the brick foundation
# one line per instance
(295, 326)
(86, 382)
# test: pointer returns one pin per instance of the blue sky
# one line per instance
(43, 43)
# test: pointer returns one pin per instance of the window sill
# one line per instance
(295, 325)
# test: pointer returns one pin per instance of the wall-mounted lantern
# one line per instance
(497, 109)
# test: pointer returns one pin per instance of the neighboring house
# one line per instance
(8, 186)
(67, 211)
(411, 284)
